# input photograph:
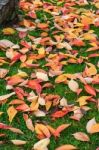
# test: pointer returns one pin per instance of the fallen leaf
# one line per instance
(81, 136)
(3, 97)
(89, 89)
(42, 76)
(18, 142)
(83, 100)
(95, 128)
(42, 144)
(73, 85)
(6, 43)
(11, 113)
(8, 31)
(89, 125)
(3, 73)
(66, 147)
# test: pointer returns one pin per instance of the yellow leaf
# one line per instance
(97, 5)
(83, 100)
(8, 31)
(11, 113)
(61, 78)
(1, 113)
(48, 105)
(91, 70)
(22, 73)
(41, 50)
(34, 105)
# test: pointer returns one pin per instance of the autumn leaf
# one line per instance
(18, 142)
(90, 124)
(8, 31)
(95, 128)
(6, 43)
(42, 144)
(81, 136)
(42, 76)
(73, 85)
(28, 122)
(66, 147)
(33, 84)
(3, 73)
(3, 97)
(83, 100)
(11, 113)
(89, 89)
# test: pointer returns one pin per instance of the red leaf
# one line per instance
(23, 107)
(60, 113)
(90, 90)
(34, 84)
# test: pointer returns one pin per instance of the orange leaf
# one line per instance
(95, 128)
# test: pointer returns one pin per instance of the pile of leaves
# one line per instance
(49, 74)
